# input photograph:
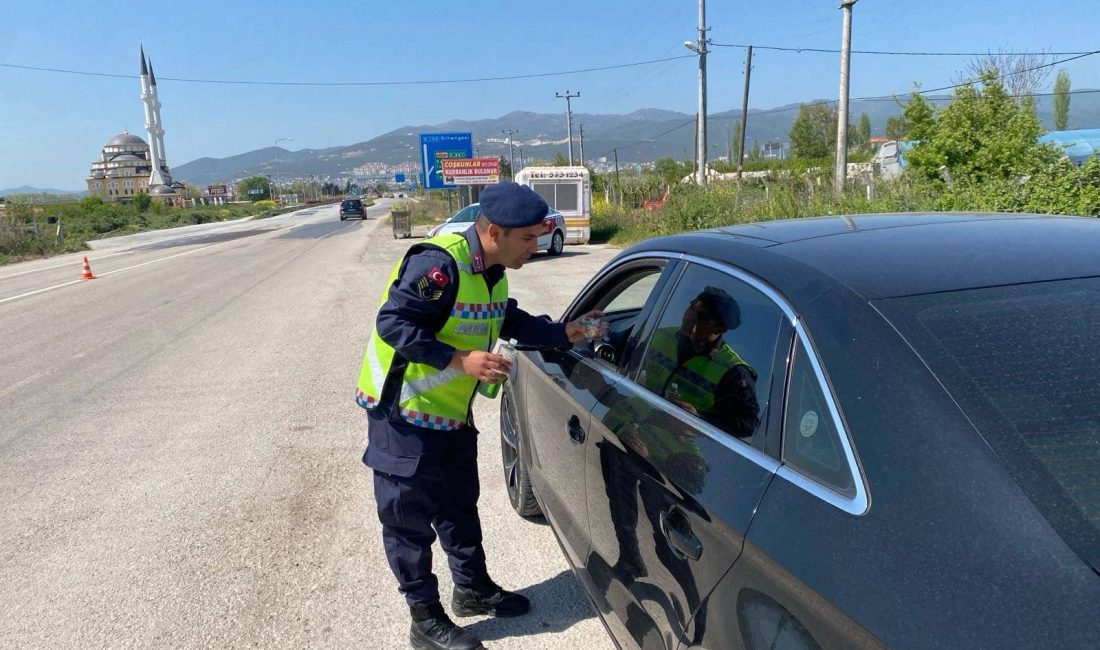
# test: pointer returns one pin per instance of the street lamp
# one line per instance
(700, 48)
(511, 160)
(277, 141)
(840, 166)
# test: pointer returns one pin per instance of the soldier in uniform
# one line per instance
(446, 304)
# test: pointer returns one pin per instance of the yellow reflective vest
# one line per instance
(429, 397)
(697, 379)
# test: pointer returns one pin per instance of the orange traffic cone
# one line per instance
(86, 272)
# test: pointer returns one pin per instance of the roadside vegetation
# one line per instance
(977, 153)
(30, 230)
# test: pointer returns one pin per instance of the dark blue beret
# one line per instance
(511, 205)
(722, 305)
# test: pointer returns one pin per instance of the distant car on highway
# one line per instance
(352, 208)
(552, 239)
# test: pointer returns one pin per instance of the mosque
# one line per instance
(128, 165)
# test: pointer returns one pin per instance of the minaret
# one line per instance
(159, 175)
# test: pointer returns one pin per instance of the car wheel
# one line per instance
(343, 218)
(556, 244)
(516, 477)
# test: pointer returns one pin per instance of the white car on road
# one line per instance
(552, 239)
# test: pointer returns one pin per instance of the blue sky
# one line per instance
(53, 125)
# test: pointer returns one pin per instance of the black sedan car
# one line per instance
(852, 432)
(352, 208)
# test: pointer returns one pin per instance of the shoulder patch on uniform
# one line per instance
(426, 290)
(439, 277)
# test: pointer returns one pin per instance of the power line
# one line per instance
(424, 82)
(675, 128)
(878, 98)
(892, 53)
(874, 98)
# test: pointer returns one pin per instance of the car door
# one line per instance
(562, 386)
(676, 464)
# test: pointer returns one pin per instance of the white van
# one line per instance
(569, 191)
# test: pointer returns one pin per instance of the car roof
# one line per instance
(888, 255)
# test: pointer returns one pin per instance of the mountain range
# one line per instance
(27, 189)
(642, 135)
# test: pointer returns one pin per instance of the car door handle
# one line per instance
(576, 431)
(683, 543)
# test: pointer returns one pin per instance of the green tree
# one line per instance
(671, 170)
(560, 161)
(755, 154)
(896, 128)
(813, 133)
(259, 183)
(982, 135)
(1061, 101)
(864, 130)
(505, 169)
(142, 201)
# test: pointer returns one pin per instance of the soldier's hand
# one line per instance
(481, 365)
(574, 330)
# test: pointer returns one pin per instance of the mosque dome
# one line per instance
(124, 139)
(161, 190)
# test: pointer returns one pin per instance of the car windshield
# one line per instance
(1023, 362)
(466, 215)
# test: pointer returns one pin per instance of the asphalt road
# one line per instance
(180, 448)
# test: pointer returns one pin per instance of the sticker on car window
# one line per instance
(808, 426)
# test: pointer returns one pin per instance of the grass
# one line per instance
(722, 204)
(25, 231)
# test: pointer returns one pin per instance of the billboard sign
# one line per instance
(398, 178)
(435, 147)
(216, 190)
(471, 171)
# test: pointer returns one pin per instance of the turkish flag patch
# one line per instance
(438, 277)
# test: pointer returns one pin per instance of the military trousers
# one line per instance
(426, 486)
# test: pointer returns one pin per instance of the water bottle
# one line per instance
(506, 349)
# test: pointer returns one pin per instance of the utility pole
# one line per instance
(511, 161)
(700, 48)
(840, 170)
(277, 141)
(520, 149)
(569, 118)
(695, 149)
(581, 127)
(744, 113)
(618, 184)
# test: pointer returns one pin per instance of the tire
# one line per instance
(343, 218)
(516, 477)
(556, 244)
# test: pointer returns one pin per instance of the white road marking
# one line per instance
(159, 259)
(58, 266)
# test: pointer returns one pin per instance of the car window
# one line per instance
(1023, 362)
(712, 351)
(622, 296)
(811, 442)
(467, 214)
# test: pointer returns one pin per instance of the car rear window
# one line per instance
(353, 205)
(1023, 362)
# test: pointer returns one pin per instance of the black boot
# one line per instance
(486, 597)
(433, 630)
